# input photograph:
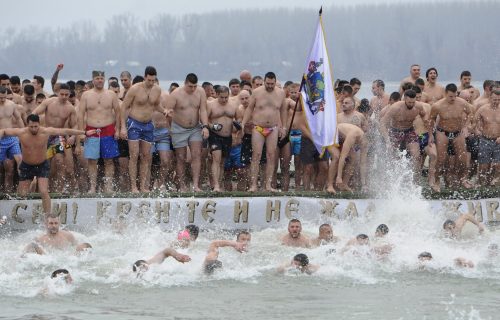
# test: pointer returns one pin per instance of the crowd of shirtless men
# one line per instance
(229, 135)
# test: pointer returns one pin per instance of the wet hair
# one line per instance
(354, 81)
(15, 80)
(488, 84)
(383, 229)
(112, 79)
(234, 81)
(447, 223)
(64, 86)
(420, 82)
(40, 96)
(126, 74)
(240, 233)
(293, 221)
(192, 78)
(406, 86)
(246, 83)
(425, 254)
(211, 266)
(379, 83)
(114, 84)
(193, 230)
(137, 79)
(451, 88)
(395, 96)
(362, 236)
(347, 88)
(71, 84)
(410, 93)
(26, 81)
(429, 71)
(222, 89)
(256, 78)
(3, 76)
(58, 272)
(89, 84)
(465, 73)
(416, 89)
(302, 259)
(80, 83)
(29, 89)
(137, 265)
(364, 106)
(40, 80)
(270, 75)
(289, 82)
(150, 71)
(206, 84)
(3, 90)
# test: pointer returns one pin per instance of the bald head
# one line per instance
(466, 95)
(244, 97)
(245, 75)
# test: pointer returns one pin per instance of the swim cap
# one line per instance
(183, 235)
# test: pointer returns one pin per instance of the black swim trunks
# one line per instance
(29, 171)
(217, 142)
(308, 152)
(451, 135)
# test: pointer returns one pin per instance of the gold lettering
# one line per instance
(351, 211)
(61, 209)
(328, 207)
(103, 208)
(15, 214)
(144, 209)
(37, 212)
(370, 209)
(75, 211)
(240, 211)
(208, 208)
(191, 209)
(476, 211)
(123, 208)
(452, 207)
(291, 208)
(162, 211)
(491, 209)
(273, 210)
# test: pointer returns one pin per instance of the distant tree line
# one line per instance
(368, 41)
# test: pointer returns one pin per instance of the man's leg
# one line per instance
(8, 166)
(442, 153)
(257, 144)
(285, 159)
(57, 171)
(43, 187)
(216, 162)
(69, 166)
(166, 158)
(195, 148)
(180, 157)
(461, 162)
(414, 150)
(431, 151)
(133, 149)
(145, 165)
(271, 154)
(332, 168)
(92, 166)
(109, 173)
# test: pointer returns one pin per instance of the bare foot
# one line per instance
(183, 189)
(252, 189)
(216, 189)
(271, 189)
(344, 187)
(144, 190)
(466, 184)
(134, 190)
(330, 190)
(435, 187)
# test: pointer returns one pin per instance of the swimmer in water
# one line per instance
(381, 231)
(325, 236)
(141, 266)
(294, 238)
(360, 240)
(62, 274)
(186, 236)
(301, 263)
(425, 257)
(212, 263)
(453, 229)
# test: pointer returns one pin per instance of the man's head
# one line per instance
(293, 91)
(257, 81)
(33, 121)
(378, 87)
(62, 274)
(15, 84)
(208, 87)
(394, 97)
(449, 226)
(495, 98)
(244, 97)
(270, 81)
(450, 92)
(410, 98)
(325, 232)
(381, 231)
(234, 86)
(222, 95)
(115, 87)
(126, 79)
(29, 93)
(52, 223)
(193, 231)
(465, 78)
(3, 94)
(348, 104)
(63, 93)
(98, 79)
(420, 83)
(4, 80)
(173, 86)
(425, 256)
(300, 261)
(355, 84)
(245, 75)
(191, 83)
(140, 266)
(415, 71)
(431, 75)
(245, 85)
(243, 236)
(111, 80)
(150, 76)
(294, 228)
(39, 98)
(488, 85)
(362, 239)
(38, 82)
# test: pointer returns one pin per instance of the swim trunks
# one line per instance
(137, 130)
(451, 135)
(295, 140)
(423, 141)
(162, 140)
(102, 144)
(217, 142)
(472, 144)
(29, 171)
(9, 147)
(489, 150)
(182, 136)
(54, 146)
(401, 138)
(308, 152)
(234, 159)
(264, 131)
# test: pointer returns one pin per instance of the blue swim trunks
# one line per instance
(103, 147)
(139, 130)
(295, 140)
(234, 158)
(161, 140)
(9, 147)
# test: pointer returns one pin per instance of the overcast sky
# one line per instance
(57, 13)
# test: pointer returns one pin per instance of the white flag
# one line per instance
(317, 93)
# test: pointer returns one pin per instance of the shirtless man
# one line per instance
(99, 109)
(433, 90)
(188, 107)
(294, 238)
(423, 140)
(360, 241)
(142, 99)
(257, 81)
(325, 236)
(355, 84)
(268, 111)
(221, 112)
(453, 229)
(487, 121)
(55, 238)
(9, 146)
(141, 266)
(246, 139)
(212, 261)
(465, 82)
(162, 144)
(397, 127)
(380, 98)
(454, 116)
(34, 163)
(234, 87)
(60, 113)
(485, 98)
(28, 102)
(350, 115)
(126, 81)
(301, 263)
(414, 74)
